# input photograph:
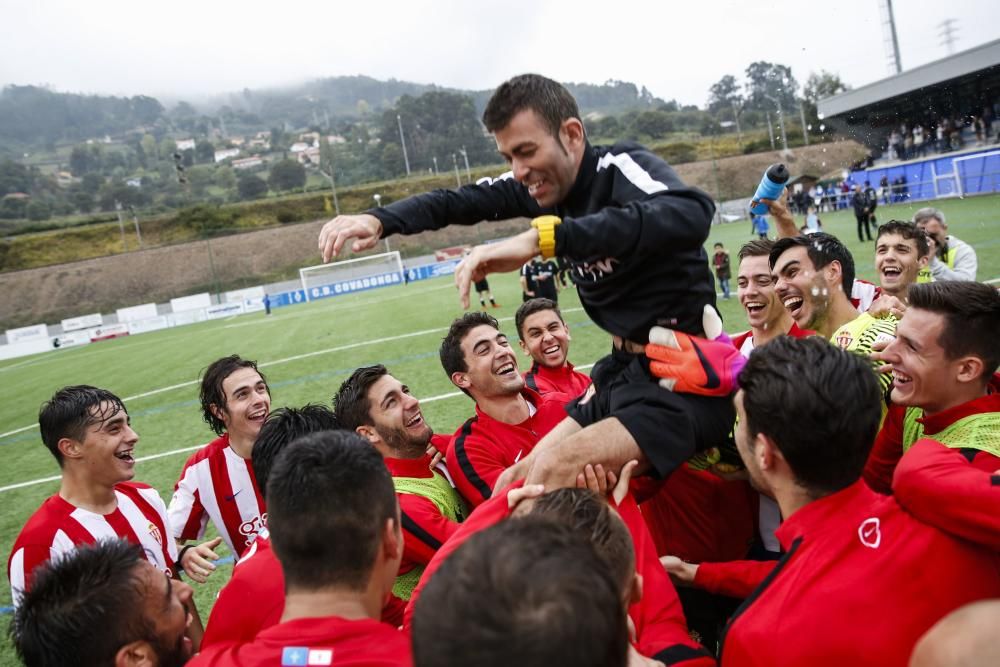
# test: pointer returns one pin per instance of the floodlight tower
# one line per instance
(889, 39)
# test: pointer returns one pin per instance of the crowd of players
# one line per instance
(822, 489)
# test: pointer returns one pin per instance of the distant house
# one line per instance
(309, 155)
(263, 134)
(299, 146)
(310, 137)
(185, 144)
(260, 142)
(335, 139)
(237, 141)
(134, 182)
(248, 162)
(65, 178)
(17, 195)
(226, 153)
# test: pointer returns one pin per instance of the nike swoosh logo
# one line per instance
(518, 457)
(713, 379)
(233, 497)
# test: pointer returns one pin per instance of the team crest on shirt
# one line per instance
(154, 532)
(870, 533)
(844, 339)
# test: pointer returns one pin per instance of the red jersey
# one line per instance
(863, 294)
(483, 447)
(425, 528)
(891, 441)
(315, 641)
(940, 486)
(57, 527)
(661, 630)
(218, 484)
(564, 380)
(744, 341)
(854, 586)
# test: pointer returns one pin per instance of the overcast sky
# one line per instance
(677, 49)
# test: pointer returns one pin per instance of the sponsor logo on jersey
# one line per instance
(304, 656)
(870, 533)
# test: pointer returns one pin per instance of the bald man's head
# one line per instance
(964, 638)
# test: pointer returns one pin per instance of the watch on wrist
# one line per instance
(546, 226)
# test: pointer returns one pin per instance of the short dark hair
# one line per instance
(547, 98)
(530, 307)
(756, 248)
(531, 579)
(819, 404)
(71, 411)
(908, 231)
(971, 313)
(211, 387)
(823, 248)
(718, 245)
(83, 607)
(592, 517)
(282, 427)
(351, 401)
(329, 495)
(452, 359)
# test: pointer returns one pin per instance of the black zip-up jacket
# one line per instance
(632, 231)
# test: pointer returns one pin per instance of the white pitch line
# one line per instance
(182, 450)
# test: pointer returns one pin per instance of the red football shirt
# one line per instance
(564, 380)
(854, 586)
(483, 447)
(315, 641)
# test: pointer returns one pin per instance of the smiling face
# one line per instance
(106, 451)
(897, 263)
(248, 403)
(545, 338)
(546, 164)
(397, 419)
(935, 229)
(165, 605)
(923, 375)
(804, 291)
(491, 363)
(755, 291)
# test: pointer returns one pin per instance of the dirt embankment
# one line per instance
(51, 293)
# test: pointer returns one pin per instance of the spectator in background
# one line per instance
(861, 213)
(813, 223)
(760, 226)
(528, 281)
(720, 262)
(951, 258)
(884, 189)
(546, 279)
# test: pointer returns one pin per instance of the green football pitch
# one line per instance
(306, 351)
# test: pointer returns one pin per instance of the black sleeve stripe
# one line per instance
(969, 453)
(678, 653)
(466, 465)
(995, 480)
(529, 378)
(757, 592)
(412, 527)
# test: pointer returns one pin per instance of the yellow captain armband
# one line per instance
(546, 226)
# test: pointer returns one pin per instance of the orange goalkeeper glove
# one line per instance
(691, 365)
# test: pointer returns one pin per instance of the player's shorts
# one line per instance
(668, 427)
(482, 285)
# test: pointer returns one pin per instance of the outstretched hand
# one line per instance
(501, 257)
(197, 561)
(365, 228)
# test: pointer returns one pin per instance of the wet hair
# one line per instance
(528, 592)
(212, 393)
(819, 404)
(756, 248)
(547, 98)
(351, 402)
(282, 427)
(971, 314)
(592, 517)
(84, 606)
(908, 231)
(329, 496)
(529, 308)
(925, 214)
(452, 358)
(823, 249)
(71, 411)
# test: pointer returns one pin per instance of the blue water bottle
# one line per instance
(770, 187)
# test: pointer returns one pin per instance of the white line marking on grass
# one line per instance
(182, 450)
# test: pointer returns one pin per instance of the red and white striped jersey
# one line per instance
(57, 527)
(218, 484)
(863, 294)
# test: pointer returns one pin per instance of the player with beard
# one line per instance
(510, 418)
(545, 338)
(381, 409)
(103, 604)
(217, 483)
(814, 277)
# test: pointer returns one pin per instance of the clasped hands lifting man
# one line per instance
(633, 236)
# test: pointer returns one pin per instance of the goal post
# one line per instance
(352, 275)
